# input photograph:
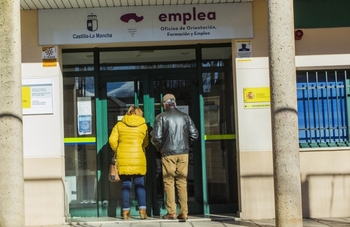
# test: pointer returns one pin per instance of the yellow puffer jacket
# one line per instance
(129, 138)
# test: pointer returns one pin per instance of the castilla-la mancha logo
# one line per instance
(92, 22)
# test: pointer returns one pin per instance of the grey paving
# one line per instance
(221, 221)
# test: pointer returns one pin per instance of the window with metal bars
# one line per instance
(323, 101)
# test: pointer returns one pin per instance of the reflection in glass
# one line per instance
(216, 53)
(125, 57)
(114, 67)
(120, 98)
(78, 61)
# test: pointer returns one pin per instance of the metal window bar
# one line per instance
(322, 103)
(338, 106)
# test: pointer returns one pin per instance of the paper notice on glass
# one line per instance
(84, 124)
(183, 109)
(84, 105)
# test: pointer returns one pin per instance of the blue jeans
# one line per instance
(139, 184)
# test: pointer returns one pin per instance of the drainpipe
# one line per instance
(11, 136)
(284, 116)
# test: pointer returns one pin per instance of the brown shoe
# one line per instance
(126, 214)
(169, 216)
(182, 217)
(143, 214)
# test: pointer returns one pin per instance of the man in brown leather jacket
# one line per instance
(173, 132)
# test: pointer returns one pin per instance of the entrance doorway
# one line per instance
(146, 91)
(202, 86)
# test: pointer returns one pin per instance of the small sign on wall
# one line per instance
(37, 96)
(256, 97)
(244, 48)
(49, 56)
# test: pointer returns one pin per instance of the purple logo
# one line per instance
(131, 16)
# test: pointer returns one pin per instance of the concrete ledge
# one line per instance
(44, 168)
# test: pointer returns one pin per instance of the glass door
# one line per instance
(80, 145)
(219, 132)
(117, 94)
(185, 89)
(146, 91)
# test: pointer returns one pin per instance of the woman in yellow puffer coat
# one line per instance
(128, 139)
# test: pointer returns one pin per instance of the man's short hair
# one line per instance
(169, 98)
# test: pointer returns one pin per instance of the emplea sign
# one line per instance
(146, 23)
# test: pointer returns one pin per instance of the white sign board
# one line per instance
(37, 96)
(146, 23)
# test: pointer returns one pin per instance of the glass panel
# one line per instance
(155, 59)
(220, 143)
(114, 67)
(213, 56)
(80, 61)
(80, 148)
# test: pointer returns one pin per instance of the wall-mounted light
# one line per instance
(298, 34)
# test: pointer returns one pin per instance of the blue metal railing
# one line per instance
(323, 116)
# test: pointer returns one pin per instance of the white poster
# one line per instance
(37, 96)
(146, 23)
(84, 106)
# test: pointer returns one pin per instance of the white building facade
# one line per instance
(81, 68)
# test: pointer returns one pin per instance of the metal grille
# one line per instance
(323, 116)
